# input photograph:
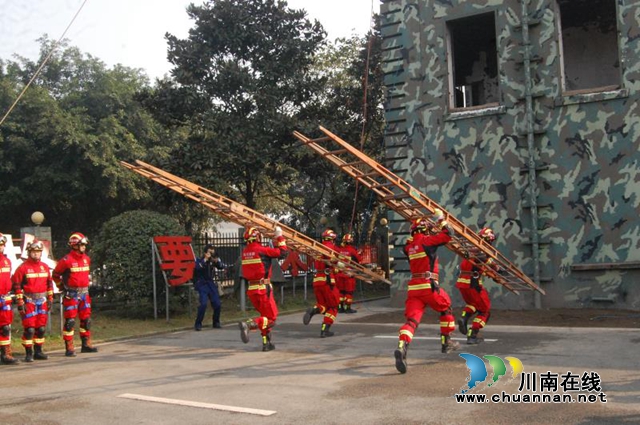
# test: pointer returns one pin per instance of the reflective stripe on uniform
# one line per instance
(417, 255)
(407, 333)
(34, 275)
(420, 286)
(479, 321)
(252, 261)
(79, 269)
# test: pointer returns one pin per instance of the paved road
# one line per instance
(349, 378)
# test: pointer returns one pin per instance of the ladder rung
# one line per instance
(398, 196)
(377, 185)
(351, 164)
(336, 152)
(412, 207)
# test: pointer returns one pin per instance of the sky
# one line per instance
(131, 32)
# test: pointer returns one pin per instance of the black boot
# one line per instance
(217, 325)
(266, 343)
(341, 308)
(350, 310)
(7, 355)
(29, 354)
(38, 354)
(401, 356)
(311, 311)
(245, 327)
(325, 332)
(86, 345)
(244, 331)
(462, 323)
(473, 338)
(448, 344)
(69, 349)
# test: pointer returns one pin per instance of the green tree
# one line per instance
(244, 74)
(62, 144)
(349, 65)
(122, 256)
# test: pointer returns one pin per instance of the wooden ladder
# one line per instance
(247, 217)
(410, 203)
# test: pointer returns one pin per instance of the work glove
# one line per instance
(49, 300)
(475, 285)
(435, 287)
(438, 216)
(20, 303)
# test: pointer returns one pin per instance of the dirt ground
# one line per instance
(598, 318)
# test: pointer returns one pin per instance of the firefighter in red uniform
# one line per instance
(256, 269)
(347, 284)
(474, 294)
(423, 288)
(6, 312)
(34, 295)
(324, 288)
(71, 275)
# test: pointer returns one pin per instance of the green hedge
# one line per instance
(121, 255)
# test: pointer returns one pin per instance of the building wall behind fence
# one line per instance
(474, 162)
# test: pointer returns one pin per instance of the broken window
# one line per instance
(473, 61)
(589, 44)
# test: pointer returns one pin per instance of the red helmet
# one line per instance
(419, 225)
(329, 235)
(487, 234)
(347, 239)
(35, 245)
(78, 238)
(251, 234)
(3, 239)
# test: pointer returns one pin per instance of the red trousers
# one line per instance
(35, 315)
(77, 306)
(6, 318)
(265, 304)
(476, 302)
(327, 301)
(417, 302)
(346, 286)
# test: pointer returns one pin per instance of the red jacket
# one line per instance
(349, 252)
(32, 277)
(257, 259)
(72, 271)
(321, 276)
(470, 275)
(321, 265)
(5, 274)
(421, 250)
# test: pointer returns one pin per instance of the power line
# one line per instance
(46, 59)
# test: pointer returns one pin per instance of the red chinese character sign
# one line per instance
(294, 263)
(177, 260)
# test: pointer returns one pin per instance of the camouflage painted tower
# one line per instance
(523, 115)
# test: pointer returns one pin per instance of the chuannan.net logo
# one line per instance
(478, 369)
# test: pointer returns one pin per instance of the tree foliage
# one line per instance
(244, 75)
(61, 145)
(349, 65)
(122, 249)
